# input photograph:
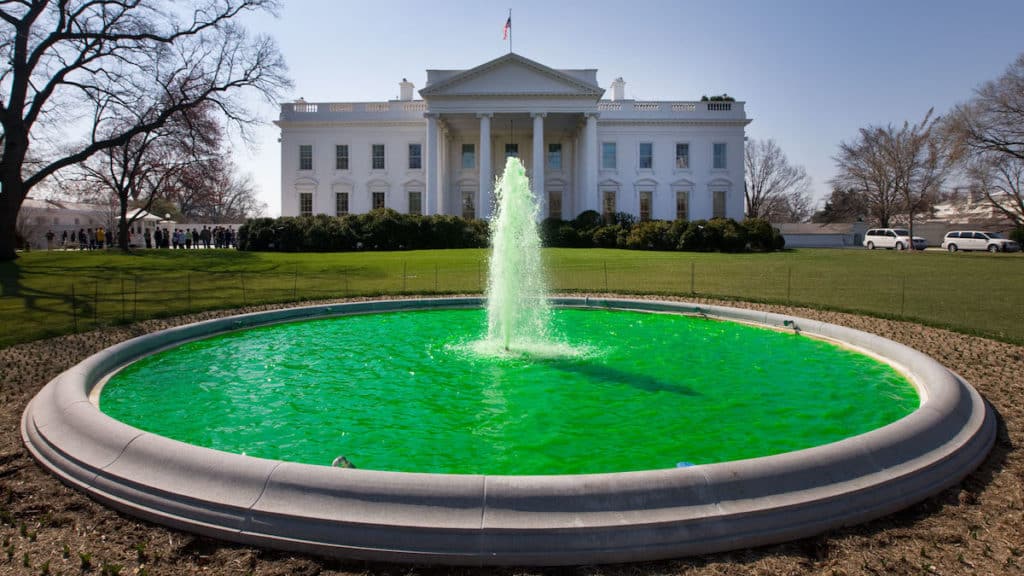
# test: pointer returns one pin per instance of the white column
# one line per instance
(539, 162)
(591, 198)
(483, 209)
(430, 202)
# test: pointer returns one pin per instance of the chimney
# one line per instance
(405, 88)
(619, 89)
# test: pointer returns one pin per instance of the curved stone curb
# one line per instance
(510, 520)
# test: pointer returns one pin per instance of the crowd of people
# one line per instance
(185, 238)
(180, 238)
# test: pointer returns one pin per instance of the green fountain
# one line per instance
(513, 430)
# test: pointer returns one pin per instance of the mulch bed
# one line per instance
(976, 527)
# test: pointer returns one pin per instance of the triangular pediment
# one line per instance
(511, 75)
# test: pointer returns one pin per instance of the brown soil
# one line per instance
(973, 528)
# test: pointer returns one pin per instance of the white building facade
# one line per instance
(441, 154)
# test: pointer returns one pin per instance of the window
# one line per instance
(415, 157)
(306, 157)
(378, 157)
(468, 205)
(718, 204)
(719, 161)
(378, 200)
(511, 149)
(415, 203)
(646, 156)
(608, 205)
(555, 156)
(468, 156)
(608, 156)
(341, 203)
(682, 205)
(306, 204)
(341, 157)
(645, 205)
(555, 204)
(682, 156)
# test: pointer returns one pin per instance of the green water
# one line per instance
(406, 392)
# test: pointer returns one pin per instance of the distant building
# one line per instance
(440, 155)
(37, 217)
(810, 235)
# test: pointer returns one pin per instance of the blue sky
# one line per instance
(811, 72)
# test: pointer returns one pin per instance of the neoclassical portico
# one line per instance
(441, 154)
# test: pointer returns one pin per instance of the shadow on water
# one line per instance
(610, 375)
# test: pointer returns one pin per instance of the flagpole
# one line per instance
(510, 31)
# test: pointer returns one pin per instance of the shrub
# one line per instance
(649, 235)
(760, 234)
(1017, 235)
(549, 230)
(588, 220)
(692, 240)
(606, 236)
(725, 235)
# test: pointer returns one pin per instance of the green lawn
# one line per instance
(50, 293)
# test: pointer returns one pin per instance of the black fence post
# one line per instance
(789, 285)
(903, 295)
(74, 307)
(241, 278)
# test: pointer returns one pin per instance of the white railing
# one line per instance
(376, 107)
(304, 108)
(414, 106)
(609, 106)
(647, 106)
(719, 106)
(338, 107)
(684, 107)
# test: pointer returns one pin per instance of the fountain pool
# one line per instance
(509, 519)
(520, 473)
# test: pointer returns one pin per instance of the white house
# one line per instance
(441, 154)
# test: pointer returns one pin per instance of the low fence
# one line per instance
(86, 301)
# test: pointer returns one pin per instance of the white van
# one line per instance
(895, 238)
(978, 240)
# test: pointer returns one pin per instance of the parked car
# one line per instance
(978, 240)
(895, 238)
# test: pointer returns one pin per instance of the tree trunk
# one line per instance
(11, 197)
(122, 223)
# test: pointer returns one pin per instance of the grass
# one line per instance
(50, 293)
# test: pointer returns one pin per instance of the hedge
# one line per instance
(389, 230)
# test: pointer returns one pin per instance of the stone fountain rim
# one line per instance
(510, 520)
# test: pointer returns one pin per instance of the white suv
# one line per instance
(897, 238)
(978, 240)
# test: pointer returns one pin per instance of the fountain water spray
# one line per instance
(517, 304)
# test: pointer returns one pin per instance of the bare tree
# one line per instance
(917, 162)
(987, 137)
(862, 166)
(842, 206)
(775, 189)
(1000, 178)
(118, 69)
(142, 169)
